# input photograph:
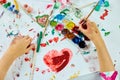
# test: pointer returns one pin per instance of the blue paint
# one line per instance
(59, 17)
(76, 40)
(16, 11)
(11, 8)
(12, 34)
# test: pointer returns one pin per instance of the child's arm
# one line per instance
(19, 46)
(93, 34)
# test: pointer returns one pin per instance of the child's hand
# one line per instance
(90, 30)
(20, 45)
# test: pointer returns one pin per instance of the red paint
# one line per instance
(57, 60)
(43, 72)
(48, 70)
(33, 49)
(49, 6)
(31, 65)
(37, 69)
(27, 59)
(26, 53)
(43, 44)
(50, 41)
(75, 29)
(63, 38)
(104, 14)
(56, 39)
(3, 1)
(31, 29)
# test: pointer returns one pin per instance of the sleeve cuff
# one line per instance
(109, 75)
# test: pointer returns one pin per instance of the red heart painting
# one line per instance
(56, 60)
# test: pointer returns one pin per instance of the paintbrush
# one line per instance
(47, 22)
(91, 11)
(85, 20)
(33, 64)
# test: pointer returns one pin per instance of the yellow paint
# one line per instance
(16, 5)
(70, 25)
(75, 75)
(53, 77)
(65, 21)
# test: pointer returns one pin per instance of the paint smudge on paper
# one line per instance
(104, 14)
(1, 14)
(53, 77)
(37, 69)
(56, 60)
(107, 33)
(49, 6)
(53, 31)
(50, 41)
(75, 75)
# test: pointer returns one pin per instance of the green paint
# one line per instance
(106, 4)
(40, 21)
(47, 43)
(97, 8)
(53, 32)
(53, 23)
(102, 29)
(57, 5)
(46, 34)
(119, 26)
(59, 34)
(86, 53)
(95, 49)
(7, 5)
(65, 11)
(107, 33)
(78, 13)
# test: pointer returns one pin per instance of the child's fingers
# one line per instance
(30, 47)
(26, 37)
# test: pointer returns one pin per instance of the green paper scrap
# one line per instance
(107, 33)
(39, 41)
